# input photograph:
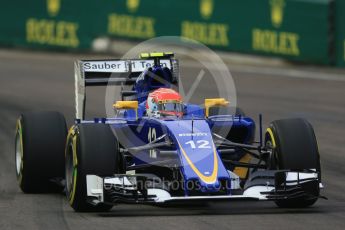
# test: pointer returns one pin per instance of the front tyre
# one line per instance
(294, 147)
(91, 149)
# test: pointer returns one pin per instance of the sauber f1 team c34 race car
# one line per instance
(157, 149)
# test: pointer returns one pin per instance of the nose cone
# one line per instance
(200, 162)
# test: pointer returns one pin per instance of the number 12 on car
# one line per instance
(199, 144)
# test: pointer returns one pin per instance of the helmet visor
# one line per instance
(176, 107)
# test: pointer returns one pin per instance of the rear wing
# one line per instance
(115, 72)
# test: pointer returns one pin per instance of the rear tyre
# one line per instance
(91, 149)
(39, 151)
(294, 147)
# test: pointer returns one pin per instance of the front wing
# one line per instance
(262, 185)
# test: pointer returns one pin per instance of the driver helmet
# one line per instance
(164, 102)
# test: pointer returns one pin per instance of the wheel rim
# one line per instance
(19, 154)
(272, 159)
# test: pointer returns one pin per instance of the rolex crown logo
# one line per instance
(132, 5)
(206, 8)
(53, 7)
(277, 12)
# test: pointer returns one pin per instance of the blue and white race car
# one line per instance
(158, 149)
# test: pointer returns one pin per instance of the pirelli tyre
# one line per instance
(294, 147)
(39, 151)
(91, 149)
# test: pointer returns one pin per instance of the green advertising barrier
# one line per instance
(56, 24)
(293, 29)
(340, 32)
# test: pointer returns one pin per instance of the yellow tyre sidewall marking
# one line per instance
(71, 134)
(270, 133)
(19, 131)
